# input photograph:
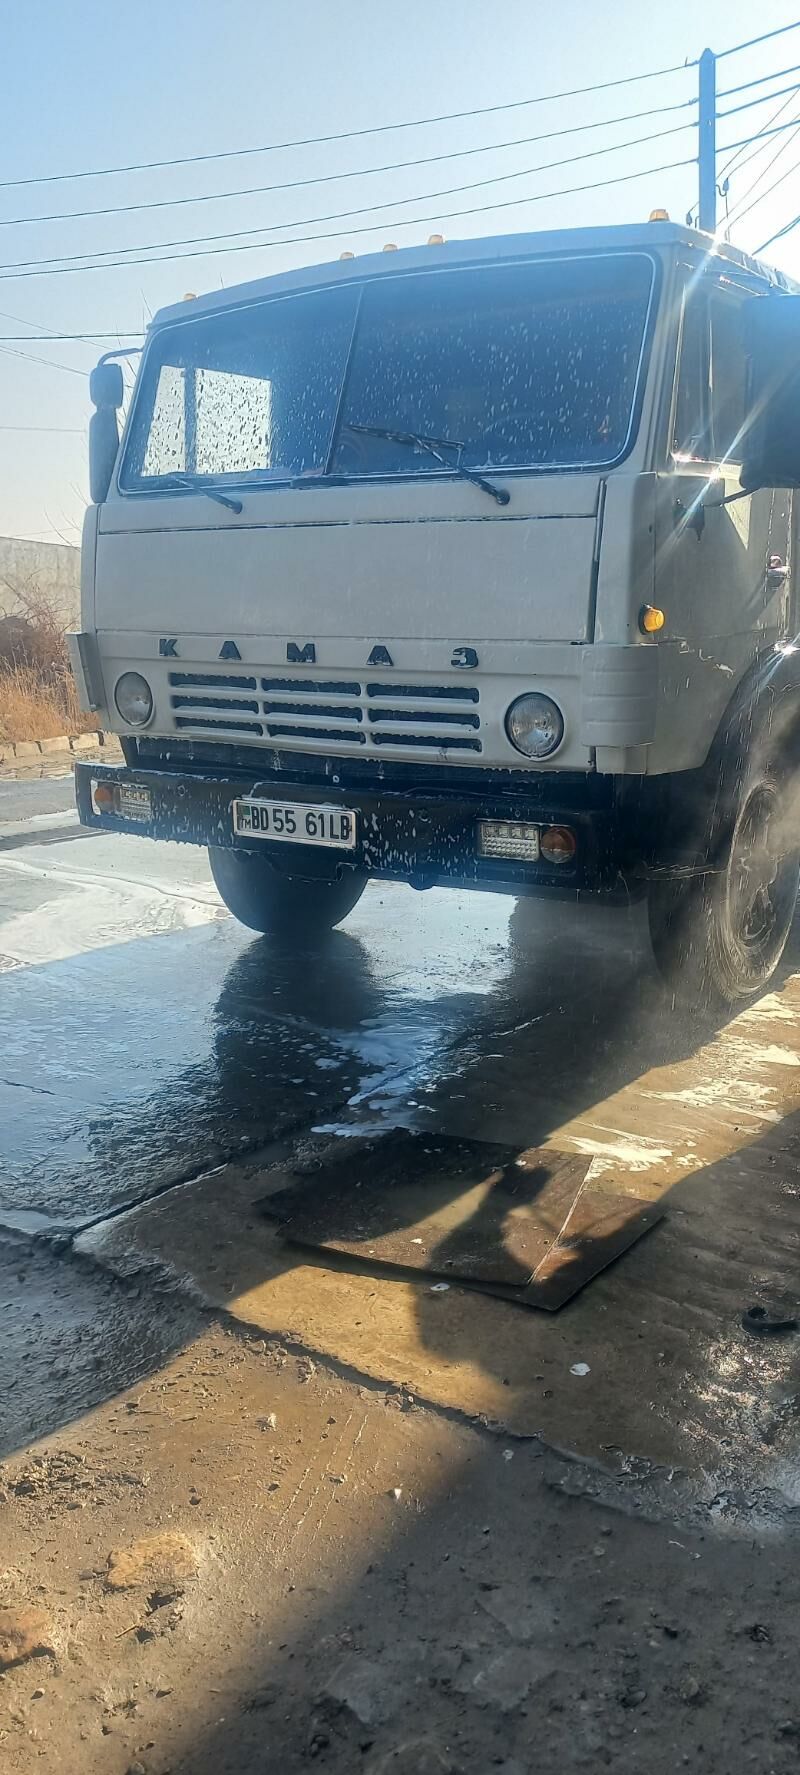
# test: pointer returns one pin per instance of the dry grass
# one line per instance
(38, 698)
(33, 709)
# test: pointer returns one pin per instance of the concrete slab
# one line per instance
(673, 1378)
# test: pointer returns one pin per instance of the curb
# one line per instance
(27, 750)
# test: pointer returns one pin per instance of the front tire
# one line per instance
(282, 905)
(718, 937)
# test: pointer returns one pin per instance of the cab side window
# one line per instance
(728, 372)
(691, 439)
(711, 393)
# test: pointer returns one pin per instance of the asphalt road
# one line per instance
(35, 798)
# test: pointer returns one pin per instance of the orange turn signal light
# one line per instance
(651, 619)
(558, 844)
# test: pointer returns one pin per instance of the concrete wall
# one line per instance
(50, 570)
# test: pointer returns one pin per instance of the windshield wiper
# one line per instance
(435, 446)
(185, 484)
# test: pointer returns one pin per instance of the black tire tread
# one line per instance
(276, 904)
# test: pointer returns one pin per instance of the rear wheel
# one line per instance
(720, 936)
(268, 901)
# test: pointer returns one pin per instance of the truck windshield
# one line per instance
(529, 365)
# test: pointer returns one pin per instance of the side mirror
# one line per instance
(103, 447)
(106, 389)
(106, 386)
(771, 448)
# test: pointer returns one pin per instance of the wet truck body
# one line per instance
(438, 566)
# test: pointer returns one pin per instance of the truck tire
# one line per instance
(275, 904)
(718, 937)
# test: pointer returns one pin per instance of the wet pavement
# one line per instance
(36, 798)
(424, 1529)
(160, 1066)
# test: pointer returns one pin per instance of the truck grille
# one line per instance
(312, 714)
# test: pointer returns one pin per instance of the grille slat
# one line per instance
(312, 713)
(212, 680)
(430, 742)
(435, 718)
(207, 724)
(455, 693)
(357, 737)
(246, 704)
(310, 687)
(329, 710)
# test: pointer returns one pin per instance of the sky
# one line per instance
(91, 86)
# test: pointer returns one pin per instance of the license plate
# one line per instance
(134, 802)
(295, 822)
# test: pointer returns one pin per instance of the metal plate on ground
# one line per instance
(529, 1225)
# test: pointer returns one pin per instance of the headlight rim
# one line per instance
(138, 725)
(540, 696)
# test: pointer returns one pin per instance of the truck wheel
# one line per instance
(267, 901)
(718, 938)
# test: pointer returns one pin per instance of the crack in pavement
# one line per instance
(22, 1085)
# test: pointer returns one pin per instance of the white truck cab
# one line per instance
(468, 564)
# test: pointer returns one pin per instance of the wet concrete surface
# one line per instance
(72, 1336)
(148, 1037)
(34, 798)
(150, 1042)
(398, 1496)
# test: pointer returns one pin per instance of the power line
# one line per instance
(385, 128)
(168, 203)
(759, 140)
(346, 135)
(97, 254)
(369, 228)
(350, 135)
(752, 41)
(155, 253)
(770, 188)
(45, 536)
(50, 333)
(50, 362)
(787, 229)
(737, 210)
(749, 104)
(341, 215)
(61, 431)
(745, 86)
(74, 338)
(761, 135)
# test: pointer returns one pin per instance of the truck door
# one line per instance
(722, 571)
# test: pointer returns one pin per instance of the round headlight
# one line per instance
(134, 699)
(535, 725)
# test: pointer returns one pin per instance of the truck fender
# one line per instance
(763, 715)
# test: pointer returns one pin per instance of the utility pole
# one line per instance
(707, 142)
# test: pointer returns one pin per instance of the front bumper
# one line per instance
(424, 838)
